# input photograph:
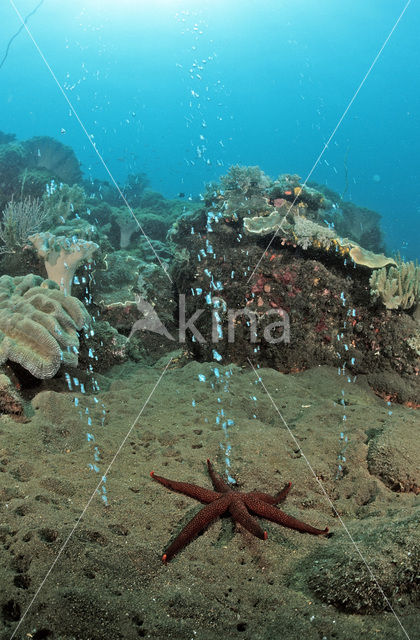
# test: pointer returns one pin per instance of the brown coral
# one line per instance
(263, 225)
(39, 324)
(368, 258)
(397, 288)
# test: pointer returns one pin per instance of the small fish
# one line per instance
(181, 194)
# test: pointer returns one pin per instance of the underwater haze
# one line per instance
(181, 91)
(209, 319)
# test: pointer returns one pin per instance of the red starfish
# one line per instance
(223, 499)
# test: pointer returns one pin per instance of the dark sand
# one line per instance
(109, 582)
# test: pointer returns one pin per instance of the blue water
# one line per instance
(182, 90)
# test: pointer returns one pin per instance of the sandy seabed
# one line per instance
(109, 581)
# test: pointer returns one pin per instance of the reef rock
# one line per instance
(341, 578)
(394, 455)
(292, 301)
(10, 402)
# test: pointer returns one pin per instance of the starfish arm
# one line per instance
(266, 497)
(240, 513)
(218, 483)
(276, 515)
(192, 490)
(200, 521)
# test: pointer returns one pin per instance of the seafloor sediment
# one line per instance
(81, 354)
(109, 580)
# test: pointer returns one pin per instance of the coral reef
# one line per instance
(309, 233)
(82, 228)
(288, 187)
(154, 225)
(62, 200)
(308, 276)
(135, 187)
(298, 213)
(117, 280)
(27, 167)
(39, 325)
(398, 287)
(62, 256)
(134, 190)
(155, 221)
(242, 191)
(307, 302)
(247, 181)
